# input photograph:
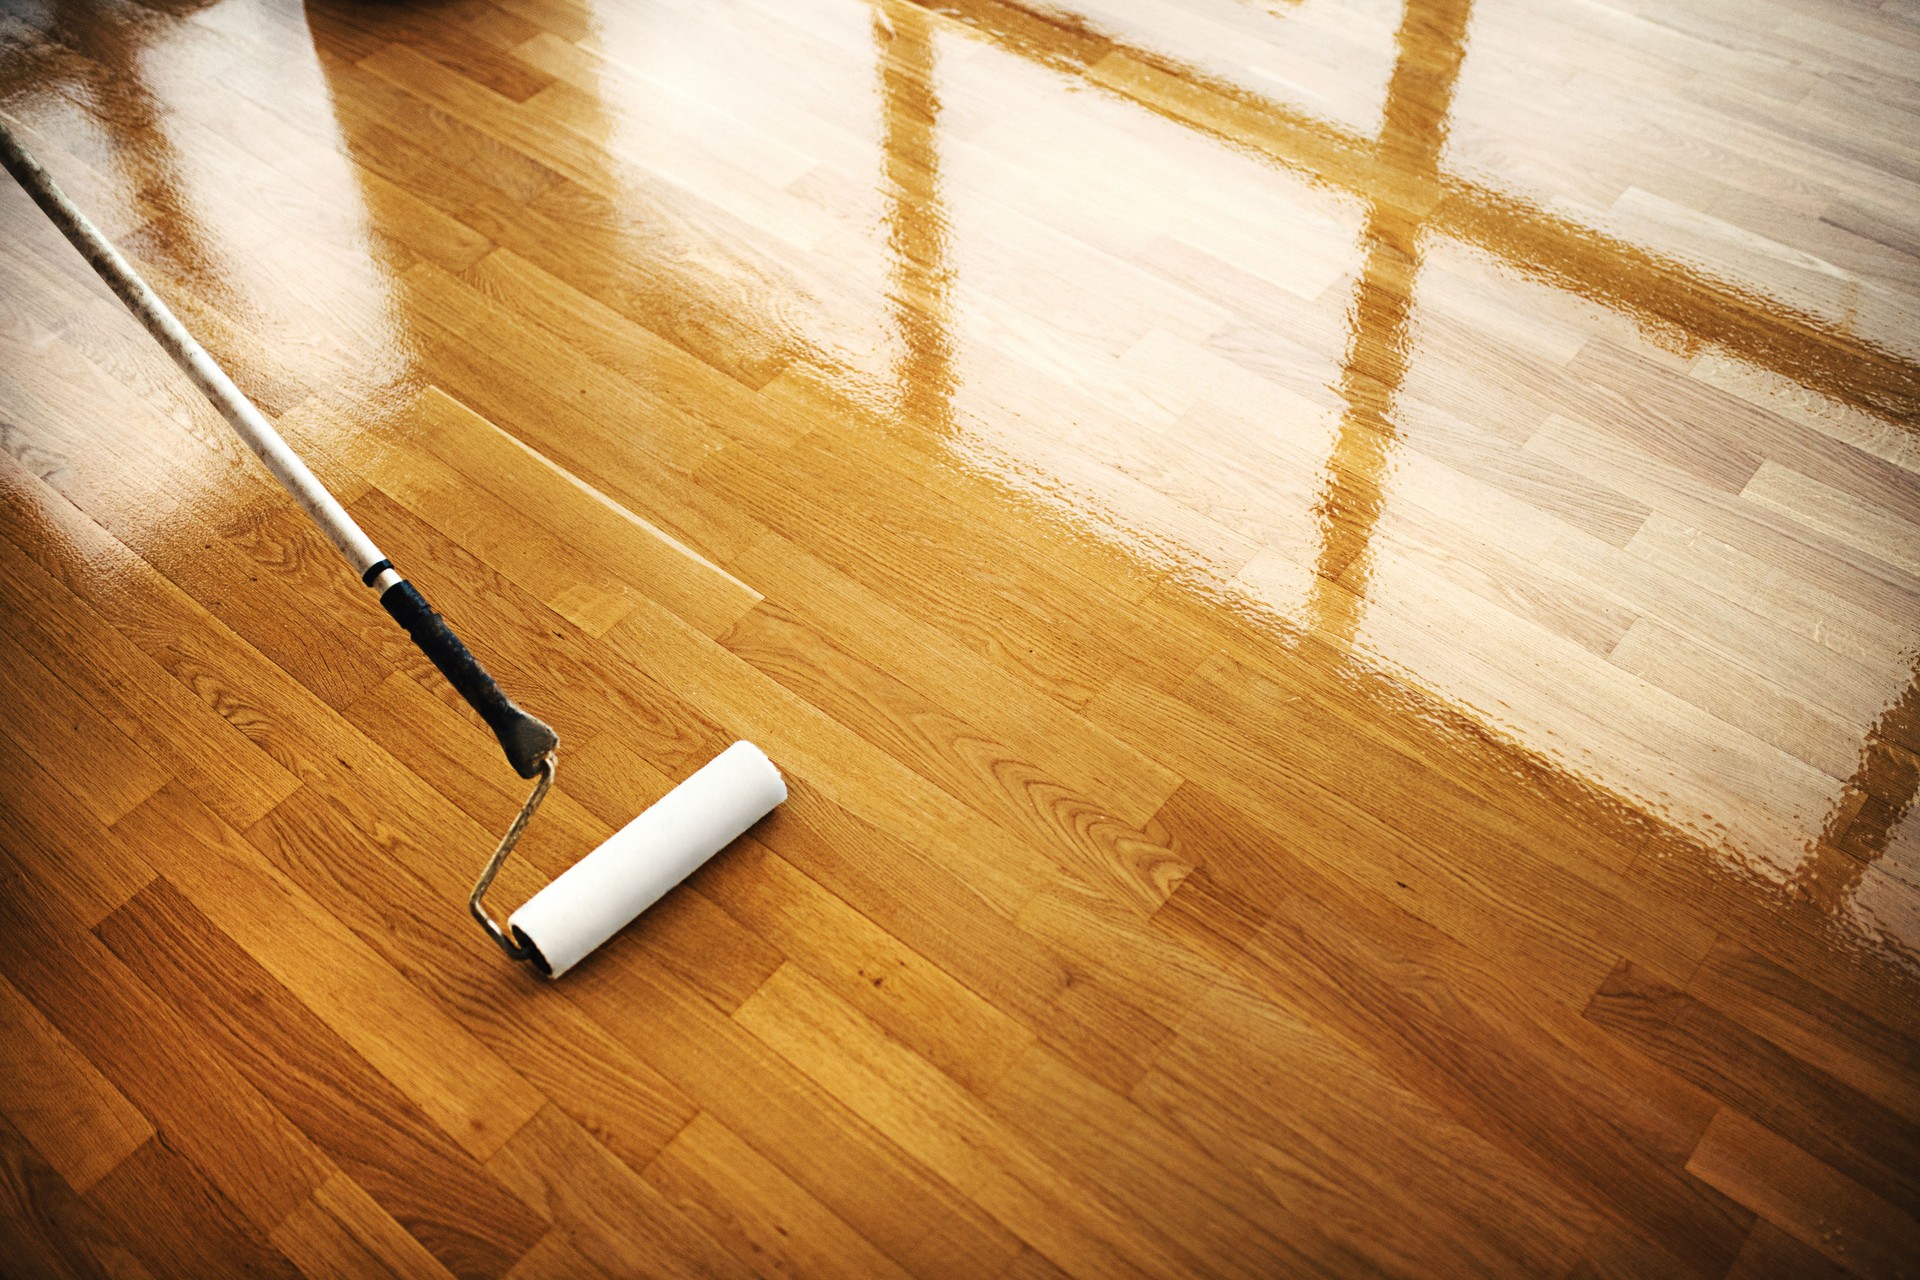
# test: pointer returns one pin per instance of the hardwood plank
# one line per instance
(1222, 1221)
(968, 580)
(770, 1223)
(1311, 813)
(1070, 1007)
(1506, 570)
(1688, 580)
(55, 1098)
(578, 214)
(341, 1231)
(425, 151)
(611, 1215)
(1748, 702)
(177, 1222)
(604, 1083)
(104, 769)
(1321, 1163)
(201, 1103)
(462, 474)
(1772, 1254)
(222, 671)
(1809, 1200)
(1799, 934)
(658, 367)
(465, 46)
(1111, 948)
(190, 741)
(1715, 427)
(1828, 1033)
(869, 627)
(950, 1132)
(47, 1229)
(1649, 405)
(1835, 1123)
(995, 779)
(375, 1135)
(1310, 953)
(250, 537)
(1843, 514)
(86, 863)
(821, 750)
(473, 1097)
(924, 1006)
(1568, 494)
(1664, 754)
(599, 398)
(554, 1258)
(1801, 549)
(856, 1172)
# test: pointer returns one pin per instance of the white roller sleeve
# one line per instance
(634, 869)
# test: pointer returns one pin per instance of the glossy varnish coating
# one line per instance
(1337, 586)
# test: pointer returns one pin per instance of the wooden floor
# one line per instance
(1338, 588)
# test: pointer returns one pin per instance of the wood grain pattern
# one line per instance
(55, 1096)
(180, 1223)
(1816, 1205)
(1336, 585)
(49, 1229)
(341, 1230)
(365, 1125)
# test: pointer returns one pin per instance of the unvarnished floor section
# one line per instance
(1335, 584)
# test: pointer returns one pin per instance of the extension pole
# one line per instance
(247, 421)
(528, 742)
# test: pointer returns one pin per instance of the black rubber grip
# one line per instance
(524, 738)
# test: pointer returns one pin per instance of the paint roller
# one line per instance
(592, 900)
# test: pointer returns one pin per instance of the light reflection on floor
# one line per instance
(1221, 481)
(1329, 387)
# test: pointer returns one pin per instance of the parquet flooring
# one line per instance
(1337, 585)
